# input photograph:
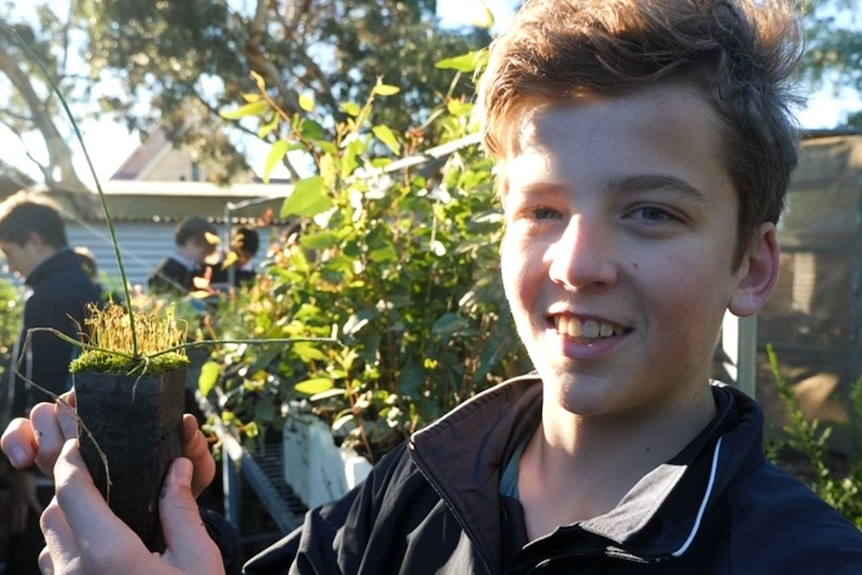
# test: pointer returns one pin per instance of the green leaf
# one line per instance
(449, 324)
(308, 198)
(306, 102)
(464, 63)
(412, 378)
(387, 136)
(488, 21)
(251, 429)
(319, 241)
(314, 386)
(385, 90)
(276, 155)
(267, 129)
(251, 97)
(308, 353)
(252, 109)
(351, 108)
(312, 130)
(210, 372)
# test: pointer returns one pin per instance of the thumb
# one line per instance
(189, 546)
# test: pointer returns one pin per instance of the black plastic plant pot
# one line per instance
(137, 423)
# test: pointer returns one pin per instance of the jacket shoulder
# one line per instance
(779, 525)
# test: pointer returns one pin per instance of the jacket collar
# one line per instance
(463, 454)
(62, 258)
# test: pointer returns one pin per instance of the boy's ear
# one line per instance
(35, 239)
(758, 272)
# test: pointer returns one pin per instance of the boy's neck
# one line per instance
(575, 468)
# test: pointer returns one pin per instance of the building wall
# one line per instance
(142, 244)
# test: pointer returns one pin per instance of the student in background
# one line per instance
(33, 242)
(237, 266)
(196, 239)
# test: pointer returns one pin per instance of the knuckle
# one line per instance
(50, 515)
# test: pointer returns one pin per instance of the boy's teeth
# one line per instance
(590, 329)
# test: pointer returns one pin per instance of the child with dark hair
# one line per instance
(196, 239)
(237, 266)
(33, 242)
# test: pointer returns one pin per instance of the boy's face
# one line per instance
(199, 250)
(620, 231)
(22, 259)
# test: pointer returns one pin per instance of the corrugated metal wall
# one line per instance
(143, 245)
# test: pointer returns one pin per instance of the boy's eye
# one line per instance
(543, 213)
(653, 214)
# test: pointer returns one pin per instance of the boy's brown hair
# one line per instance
(23, 214)
(739, 54)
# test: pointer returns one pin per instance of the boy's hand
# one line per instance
(40, 438)
(82, 535)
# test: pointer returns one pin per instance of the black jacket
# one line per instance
(171, 276)
(59, 293)
(433, 506)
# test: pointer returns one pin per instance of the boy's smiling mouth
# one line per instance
(586, 328)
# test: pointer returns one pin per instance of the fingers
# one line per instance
(189, 546)
(83, 507)
(19, 443)
(40, 438)
(46, 566)
(49, 435)
(66, 415)
(197, 450)
(61, 547)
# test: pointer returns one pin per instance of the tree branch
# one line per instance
(59, 153)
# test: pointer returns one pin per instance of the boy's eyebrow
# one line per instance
(647, 182)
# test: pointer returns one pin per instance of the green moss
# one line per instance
(97, 361)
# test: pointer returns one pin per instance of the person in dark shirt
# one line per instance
(236, 268)
(33, 242)
(196, 239)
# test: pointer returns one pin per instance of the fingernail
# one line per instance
(19, 456)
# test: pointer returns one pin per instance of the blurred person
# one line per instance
(236, 267)
(196, 240)
(33, 242)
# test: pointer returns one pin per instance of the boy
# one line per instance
(644, 149)
(33, 242)
(175, 274)
(238, 270)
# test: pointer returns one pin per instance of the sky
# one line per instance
(109, 143)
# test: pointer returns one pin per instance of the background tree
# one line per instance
(191, 58)
(29, 105)
(833, 55)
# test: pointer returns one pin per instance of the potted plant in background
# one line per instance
(397, 257)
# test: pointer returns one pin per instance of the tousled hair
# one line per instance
(739, 54)
(24, 213)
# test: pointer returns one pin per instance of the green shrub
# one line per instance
(11, 308)
(807, 437)
(401, 266)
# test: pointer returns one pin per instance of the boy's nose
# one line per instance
(582, 257)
